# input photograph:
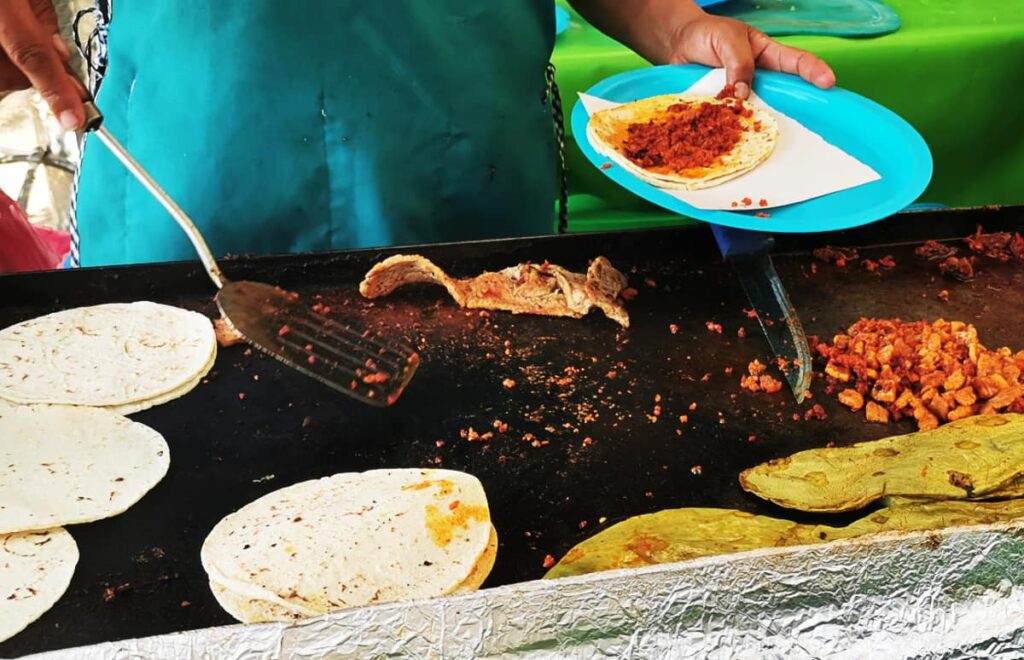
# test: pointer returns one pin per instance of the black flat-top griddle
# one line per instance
(583, 448)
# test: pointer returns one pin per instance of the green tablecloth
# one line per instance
(955, 70)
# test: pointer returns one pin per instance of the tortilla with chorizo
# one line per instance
(680, 141)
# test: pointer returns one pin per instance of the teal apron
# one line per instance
(321, 124)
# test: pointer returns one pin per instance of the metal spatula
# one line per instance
(749, 253)
(280, 323)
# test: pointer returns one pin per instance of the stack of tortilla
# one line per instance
(350, 540)
(68, 457)
(125, 357)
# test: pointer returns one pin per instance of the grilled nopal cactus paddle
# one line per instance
(678, 535)
(682, 534)
(974, 458)
(1012, 490)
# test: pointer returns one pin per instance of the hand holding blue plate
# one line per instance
(862, 128)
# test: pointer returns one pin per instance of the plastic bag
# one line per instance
(25, 247)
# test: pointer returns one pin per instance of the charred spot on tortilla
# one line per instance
(542, 289)
(684, 141)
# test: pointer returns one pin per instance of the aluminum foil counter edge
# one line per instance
(950, 594)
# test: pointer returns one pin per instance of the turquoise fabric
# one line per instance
(837, 18)
(322, 124)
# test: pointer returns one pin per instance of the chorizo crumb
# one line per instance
(852, 399)
(769, 385)
(876, 413)
(628, 293)
(816, 412)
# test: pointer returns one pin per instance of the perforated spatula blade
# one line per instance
(283, 325)
(350, 361)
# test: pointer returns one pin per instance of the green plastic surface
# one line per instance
(953, 70)
(841, 18)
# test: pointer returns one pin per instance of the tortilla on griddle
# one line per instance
(676, 535)
(971, 458)
(608, 131)
(63, 465)
(35, 571)
(126, 357)
(252, 610)
(350, 540)
(256, 610)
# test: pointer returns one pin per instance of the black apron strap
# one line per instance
(559, 119)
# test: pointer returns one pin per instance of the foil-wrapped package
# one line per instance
(955, 593)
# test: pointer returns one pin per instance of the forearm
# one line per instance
(646, 26)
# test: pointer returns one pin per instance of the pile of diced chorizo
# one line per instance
(933, 372)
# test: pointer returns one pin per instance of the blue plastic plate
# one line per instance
(864, 129)
(561, 20)
(710, 3)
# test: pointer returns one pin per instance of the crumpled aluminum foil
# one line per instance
(38, 157)
(948, 594)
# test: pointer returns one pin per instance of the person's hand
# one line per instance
(32, 54)
(723, 42)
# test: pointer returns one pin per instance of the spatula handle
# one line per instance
(739, 243)
(94, 123)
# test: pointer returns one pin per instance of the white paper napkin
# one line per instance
(802, 166)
